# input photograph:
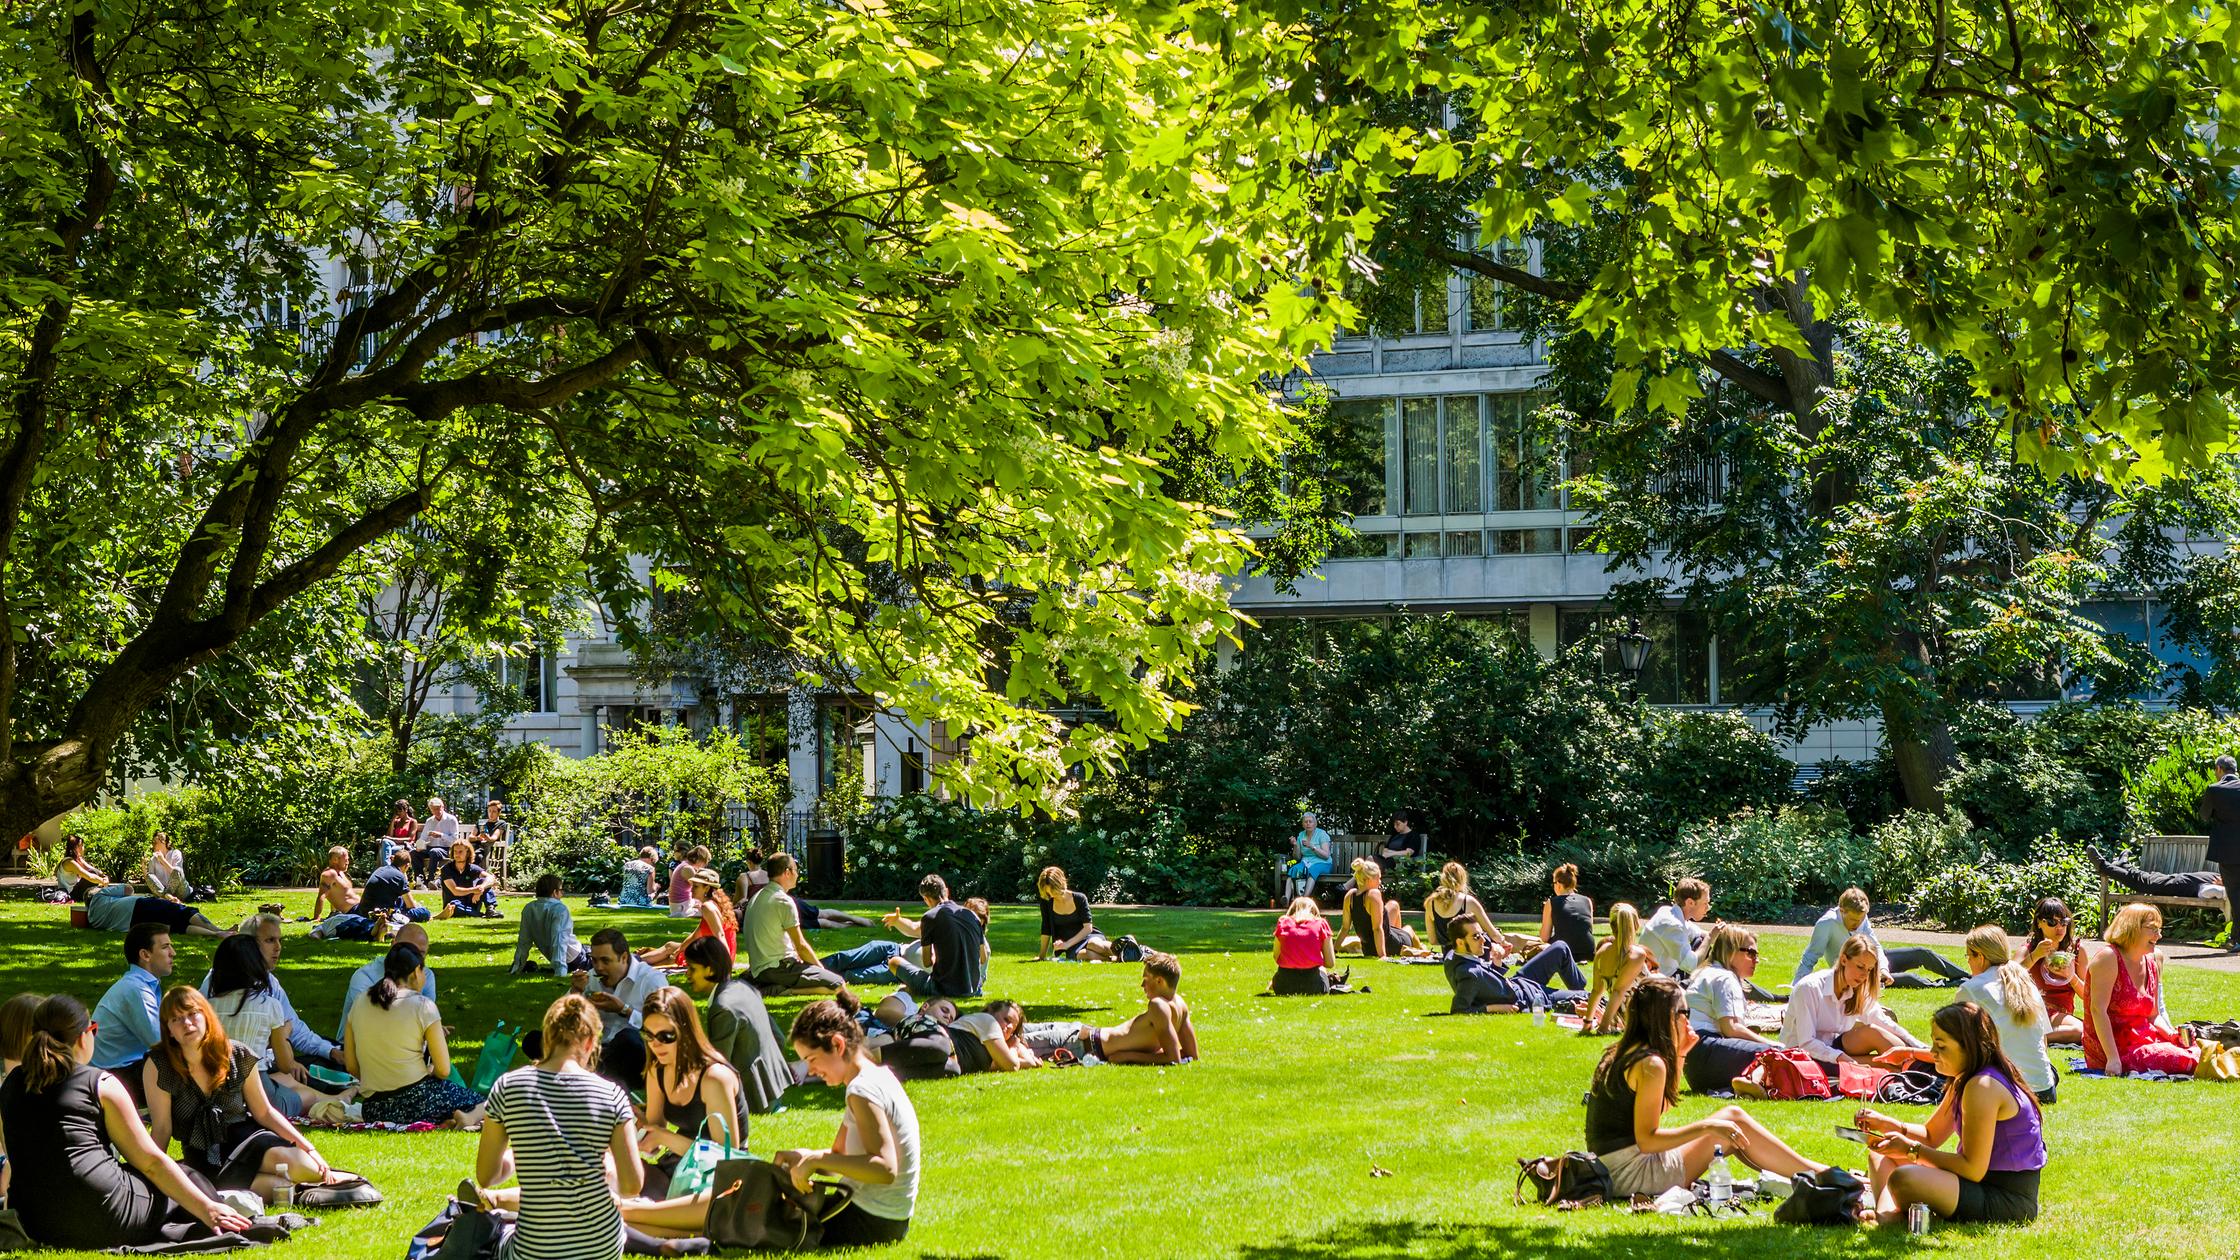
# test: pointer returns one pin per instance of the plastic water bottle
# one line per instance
(1721, 1179)
(1539, 1012)
(284, 1194)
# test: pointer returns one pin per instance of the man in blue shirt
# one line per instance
(367, 976)
(308, 1045)
(127, 1017)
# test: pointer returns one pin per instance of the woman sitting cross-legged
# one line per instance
(1067, 928)
(875, 1152)
(1993, 1174)
(1837, 1013)
(1483, 988)
(205, 1089)
(67, 1122)
(691, 1091)
(1372, 920)
(393, 1042)
(1619, 964)
(566, 1135)
(1725, 1046)
(2122, 991)
(2052, 956)
(1637, 1082)
(1306, 956)
(2005, 992)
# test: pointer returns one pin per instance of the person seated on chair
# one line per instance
(437, 831)
(205, 1089)
(1306, 956)
(1310, 858)
(1372, 921)
(779, 958)
(1403, 843)
(738, 1024)
(692, 1091)
(2049, 955)
(1637, 1082)
(73, 874)
(1848, 918)
(1725, 1046)
(2122, 995)
(335, 893)
(1992, 1176)
(388, 891)
(495, 833)
(1619, 964)
(548, 927)
(1481, 988)
(167, 870)
(467, 888)
(404, 827)
(1671, 936)
(2198, 885)
(1837, 1014)
(1068, 930)
(638, 892)
(2219, 807)
(2005, 992)
(568, 1137)
(1566, 916)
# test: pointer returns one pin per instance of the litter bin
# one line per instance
(827, 858)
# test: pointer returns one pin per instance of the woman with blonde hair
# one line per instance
(2122, 999)
(1567, 916)
(1452, 899)
(1068, 930)
(1837, 1013)
(1717, 1005)
(1306, 955)
(563, 1131)
(1619, 964)
(1372, 919)
(2010, 997)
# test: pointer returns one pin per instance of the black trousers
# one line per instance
(2158, 884)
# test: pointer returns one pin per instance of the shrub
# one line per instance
(2160, 796)
(1760, 865)
(1957, 898)
(1914, 845)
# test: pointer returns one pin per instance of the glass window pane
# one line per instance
(1484, 299)
(1357, 457)
(1419, 437)
(1431, 307)
(1464, 471)
(1528, 542)
(1366, 547)
(1421, 545)
(1508, 476)
(1471, 542)
(1541, 465)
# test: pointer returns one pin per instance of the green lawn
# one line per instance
(1264, 1149)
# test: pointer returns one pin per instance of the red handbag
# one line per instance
(1859, 1080)
(1790, 1074)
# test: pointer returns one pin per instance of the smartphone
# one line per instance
(1850, 1134)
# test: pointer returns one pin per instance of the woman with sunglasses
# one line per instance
(692, 1092)
(1717, 1001)
(2050, 956)
(67, 1123)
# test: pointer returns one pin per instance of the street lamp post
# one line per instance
(1633, 652)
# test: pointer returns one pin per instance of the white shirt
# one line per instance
(1715, 993)
(167, 870)
(1827, 944)
(2025, 1044)
(638, 983)
(445, 828)
(1814, 1020)
(1668, 940)
(899, 1198)
(250, 1023)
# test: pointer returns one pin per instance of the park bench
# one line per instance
(1344, 848)
(2167, 855)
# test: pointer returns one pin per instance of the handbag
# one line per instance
(2218, 1063)
(698, 1166)
(1859, 1080)
(1914, 1088)
(755, 1205)
(496, 1056)
(1574, 1177)
(1790, 1074)
(1830, 1197)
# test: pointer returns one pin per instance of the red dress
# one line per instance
(2132, 1008)
(730, 934)
(2060, 994)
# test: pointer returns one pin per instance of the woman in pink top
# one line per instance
(2122, 992)
(1305, 953)
(681, 904)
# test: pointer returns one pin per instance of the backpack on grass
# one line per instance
(1574, 1178)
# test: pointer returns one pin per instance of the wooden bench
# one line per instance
(1344, 848)
(2166, 855)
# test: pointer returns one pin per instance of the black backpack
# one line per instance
(1830, 1197)
(1574, 1178)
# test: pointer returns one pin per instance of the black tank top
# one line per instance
(1571, 920)
(1610, 1111)
(687, 1117)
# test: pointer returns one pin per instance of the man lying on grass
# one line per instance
(1161, 1035)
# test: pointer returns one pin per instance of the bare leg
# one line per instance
(1917, 1183)
(2068, 1030)
(1762, 1150)
(468, 1119)
(842, 919)
(668, 1218)
(1866, 1042)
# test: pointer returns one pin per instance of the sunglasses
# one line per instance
(668, 1038)
(1751, 950)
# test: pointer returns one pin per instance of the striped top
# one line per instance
(559, 1124)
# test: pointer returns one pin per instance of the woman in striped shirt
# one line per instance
(550, 1125)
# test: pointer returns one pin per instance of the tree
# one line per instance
(783, 298)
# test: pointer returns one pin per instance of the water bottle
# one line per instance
(1539, 1011)
(1721, 1179)
(284, 1194)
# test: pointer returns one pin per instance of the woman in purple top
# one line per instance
(1992, 1176)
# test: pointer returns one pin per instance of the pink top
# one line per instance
(1299, 942)
(680, 885)
(2132, 1009)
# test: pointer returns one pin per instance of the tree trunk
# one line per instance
(1922, 748)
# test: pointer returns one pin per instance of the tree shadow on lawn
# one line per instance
(1552, 1240)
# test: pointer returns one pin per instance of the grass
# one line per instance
(1265, 1149)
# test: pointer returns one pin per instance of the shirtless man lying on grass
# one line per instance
(1162, 1034)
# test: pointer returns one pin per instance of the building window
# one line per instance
(1678, 670)
(837, 719)
(1527, 463)
(1432, 456)
(1366, 547)
(1466, 542)
(536, 676)
(1419, 456)
(761, 724)
(1485, 297)
(1527, 542)
(1357, 465)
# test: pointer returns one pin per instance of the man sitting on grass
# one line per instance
(389, 891)
(1848, 918)
(779, 958)
(467, 887)
(1481, 988)
(1161, 1035)
(335, 894)
(547, 927)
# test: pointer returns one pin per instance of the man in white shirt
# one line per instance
(1668, 936)
(1848, 918)
(619, 984)
(436, 835)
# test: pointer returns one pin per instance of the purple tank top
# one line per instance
(2017, 1145)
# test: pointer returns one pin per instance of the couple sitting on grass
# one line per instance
(1992, 1175)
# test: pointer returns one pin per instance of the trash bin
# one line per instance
(827, 862)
